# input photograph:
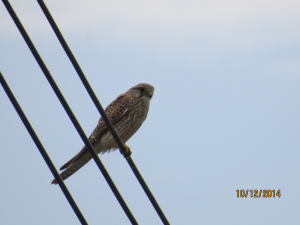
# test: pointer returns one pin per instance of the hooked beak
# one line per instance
(150, 94)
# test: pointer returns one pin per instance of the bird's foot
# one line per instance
(127, 153)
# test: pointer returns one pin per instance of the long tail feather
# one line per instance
(76, 165)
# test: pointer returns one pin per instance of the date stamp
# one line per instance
(258, 193)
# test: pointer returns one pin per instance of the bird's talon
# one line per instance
(127, 153)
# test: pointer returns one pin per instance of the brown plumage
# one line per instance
(127, 113)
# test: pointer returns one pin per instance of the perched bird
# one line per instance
(127, 113)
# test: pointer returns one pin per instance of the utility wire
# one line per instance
(101, 111)
(69, 111)
(42, 150)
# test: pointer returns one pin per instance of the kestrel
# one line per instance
(127, 113)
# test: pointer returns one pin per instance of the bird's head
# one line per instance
(142, 90)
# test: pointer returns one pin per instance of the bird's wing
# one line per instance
(115, 111)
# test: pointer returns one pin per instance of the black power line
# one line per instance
(69, 111)
(42, 149)
(101, 110)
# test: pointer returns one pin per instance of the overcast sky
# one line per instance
(224, 116)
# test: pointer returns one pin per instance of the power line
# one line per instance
(69, 111)
(42, 150)
(101, 110)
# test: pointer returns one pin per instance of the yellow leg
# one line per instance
(127, 153)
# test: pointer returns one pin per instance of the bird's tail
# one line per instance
(74, 166)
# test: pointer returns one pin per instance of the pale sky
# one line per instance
(224, 116)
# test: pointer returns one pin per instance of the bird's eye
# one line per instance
(142, 89)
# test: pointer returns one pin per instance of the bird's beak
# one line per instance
(150, 93)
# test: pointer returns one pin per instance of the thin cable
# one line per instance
(42, 150)
(101, 110)
(69, 112)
